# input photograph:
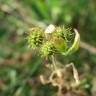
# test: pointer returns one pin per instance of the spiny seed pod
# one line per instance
(65, 40)
(35, 38)
(61, 39)
(47, 49)
(64, 33)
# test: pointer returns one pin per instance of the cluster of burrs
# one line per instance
(54, 40)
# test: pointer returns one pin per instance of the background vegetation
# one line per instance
(20, 67)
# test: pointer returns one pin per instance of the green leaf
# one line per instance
(75, 44)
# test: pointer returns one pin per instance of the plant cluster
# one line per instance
(53, 40)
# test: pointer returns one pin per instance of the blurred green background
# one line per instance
(20, 67)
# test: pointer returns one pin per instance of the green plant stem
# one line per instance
(54, 62)
(55, 67)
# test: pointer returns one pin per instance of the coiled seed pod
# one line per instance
(75, 45)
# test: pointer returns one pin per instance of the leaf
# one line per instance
(75, 44)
